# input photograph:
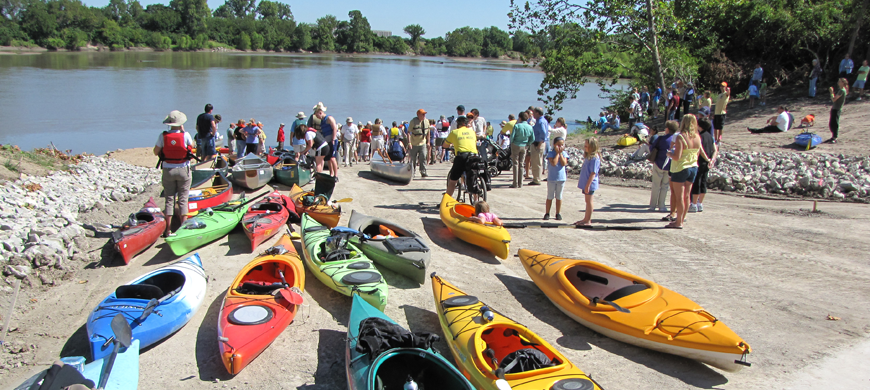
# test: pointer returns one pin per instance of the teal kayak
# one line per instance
(346, 273)
(393, 368)
(205, 227)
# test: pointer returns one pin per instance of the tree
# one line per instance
(241, 8)
(359, 34)
(194, 14)
(244, 41)
(464, 42)
(302, 37)
(324, 33)
(273, 9)
(496, 42)
(415, 31)
(37, 23)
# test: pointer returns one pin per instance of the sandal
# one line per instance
(668, 218)
(579, 223)
(672, 226)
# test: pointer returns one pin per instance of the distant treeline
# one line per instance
(240, 24)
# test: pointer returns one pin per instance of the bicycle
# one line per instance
(471, 183)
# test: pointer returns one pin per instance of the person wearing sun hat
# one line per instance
(418, 132)
(349, 136)
(299, 144)
(326, 126)
(174, 148)
(719, 114)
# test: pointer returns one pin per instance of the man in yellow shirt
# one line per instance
(464, 142)
(506, 129)
(719, 115)
(418, 130)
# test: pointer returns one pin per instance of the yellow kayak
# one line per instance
(495, 239)
(626, 140)
(486, 350)
(658, 318)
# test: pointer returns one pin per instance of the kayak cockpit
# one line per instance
(155, 287)
(593, 285)
(515, 350)
(392, 370)
(264, 279)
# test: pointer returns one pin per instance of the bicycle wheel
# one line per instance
(457, 192)
(479, 186)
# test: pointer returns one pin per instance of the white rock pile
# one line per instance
(835, 177)
(39, 231)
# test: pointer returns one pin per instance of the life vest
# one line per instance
(445, 124)
(318, 139)
(174, 149)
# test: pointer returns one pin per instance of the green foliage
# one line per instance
(74, 38)
(393, 44)
(465, 42)
(324, 34)
(415, 31)
(302, 37)
(256, 41)
(244, 41)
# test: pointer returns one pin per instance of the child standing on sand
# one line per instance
(483, 215)
(706, 101)
(589, 177)
(557, 159)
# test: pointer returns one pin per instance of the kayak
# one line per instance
(210, 194)
(528, 361)
(252, 172)
(391, 170)
(406, 254)
(201, 173)
(124, 374)
(255, 310)
(205, 227)
(659, 319)
(346, 273)
(141, 230)
(392, 368)
(321, 211)
(265, 218)
(174, 292)
(454, 214)
(289, 172)
(807, 140)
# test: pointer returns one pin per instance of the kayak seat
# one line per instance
(166, 281)
(584, 276)
(625, 291)
(268, 206)
(250, 288)
(139, 291)
(315, 228)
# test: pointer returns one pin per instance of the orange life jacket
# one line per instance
(174, 149)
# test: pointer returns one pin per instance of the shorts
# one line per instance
(859, 84)
(324, 151)
(439, 142)
(555, 189)
(590, 192)
(460, 163)
(208, 148)
(686, 175)
(718, 121)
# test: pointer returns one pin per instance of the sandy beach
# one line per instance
(770, 269)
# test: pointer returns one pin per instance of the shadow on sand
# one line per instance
(334, 302)
(441, 236)
(330, 360)
(208, 359)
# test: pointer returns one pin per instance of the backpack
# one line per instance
(396, 151)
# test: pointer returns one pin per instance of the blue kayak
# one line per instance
(807, 140)
(175, 292)
(124, 375)
(392, 368)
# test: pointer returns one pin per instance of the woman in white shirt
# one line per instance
(559, 130)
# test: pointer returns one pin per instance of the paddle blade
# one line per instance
(345, 200)
(502, 384)
(122, 330)
(149, 308)
(291, 296)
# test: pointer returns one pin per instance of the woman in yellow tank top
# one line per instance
(684, 166)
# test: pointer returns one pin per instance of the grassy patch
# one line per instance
(45, 158)
(11, 166)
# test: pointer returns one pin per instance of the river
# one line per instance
(99, 101)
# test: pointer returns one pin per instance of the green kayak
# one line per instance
(205, 227)
(403, 252)
(339, 264)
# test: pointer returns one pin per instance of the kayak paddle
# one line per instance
(123, 336)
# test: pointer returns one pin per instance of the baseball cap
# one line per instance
(421, 111)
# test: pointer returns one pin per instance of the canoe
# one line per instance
(454, 214)
(177, 290)
(251, 172)
(254, 312)
(210, 194)
(322, 212)
(265, 218)
(469, 334)
(141, 230)
(124, 375)
(391, 368)
(407, 254)
(659, 319)
(395, 171)
(201, 173)
(289, 172)
(807, 140)
(354, 272)
(205, 227)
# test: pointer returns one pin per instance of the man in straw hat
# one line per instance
(326, 126)
(418, 131)
(174, 149)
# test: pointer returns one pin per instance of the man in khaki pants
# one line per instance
(418, 129)
(541, 129)
(522, 135)
(174, 147)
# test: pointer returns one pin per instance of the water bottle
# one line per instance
(410, 384)
(487, 314)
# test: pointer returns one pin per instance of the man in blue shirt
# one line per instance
(757, 74)
(541, 130)
(657, 97)
(846, 66)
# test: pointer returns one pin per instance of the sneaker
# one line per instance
(663, 209)
(546, 216)
(512, 186)
(653, 208)
(700, 207)
(693, 208)
(558, 217)
(424, 175)
(534, 183)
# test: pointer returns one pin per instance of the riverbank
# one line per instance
(728, 256)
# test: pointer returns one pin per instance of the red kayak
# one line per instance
(266, 217)
(140, 231)
(258, 306)
(210, 194)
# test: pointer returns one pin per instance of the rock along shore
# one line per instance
(832, 177)
(39, 229)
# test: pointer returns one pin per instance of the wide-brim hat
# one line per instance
(349, 120)
(175, 118)
(319, 107)
(300, 115)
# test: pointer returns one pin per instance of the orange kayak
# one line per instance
(659, 319)
(259, 305)
(321, 212)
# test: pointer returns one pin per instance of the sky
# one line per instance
(437, 17)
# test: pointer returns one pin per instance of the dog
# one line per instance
(808, 121)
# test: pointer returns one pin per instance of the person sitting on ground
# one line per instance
(602, 120)
(777, 124)
(482, 214)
